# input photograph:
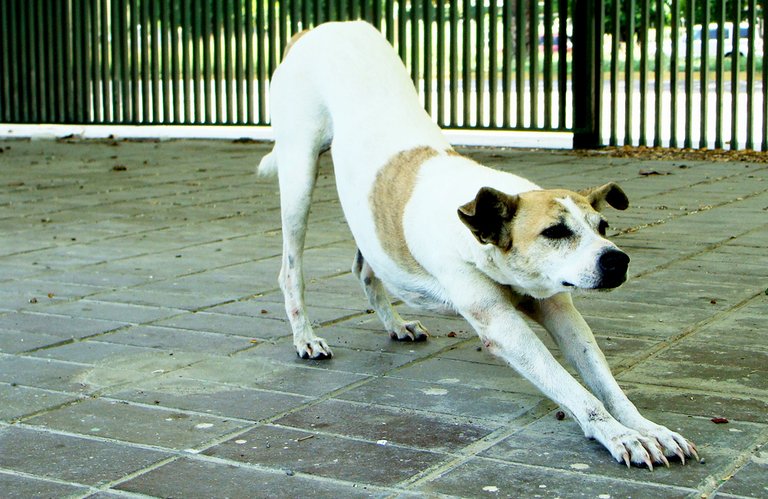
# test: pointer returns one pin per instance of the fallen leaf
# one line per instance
(719, 420)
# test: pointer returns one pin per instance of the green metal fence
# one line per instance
(477, 64)
(610, 71)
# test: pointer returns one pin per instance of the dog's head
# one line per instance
(548, 241)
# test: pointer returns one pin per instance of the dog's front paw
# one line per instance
(629, 446)
(410, 331)
(671, 443)
(315, 349)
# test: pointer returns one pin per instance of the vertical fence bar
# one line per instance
(77, 64)
(704, 75)
(629, 71)
(506, 79)
(673, 64)
(239, 61)
(5, 54)
(229, 83)
(533, 62)
(427, 53)
(466, 65)
(644, 21)
(493, 66)
(105, 63)
(479, 63)
(218, 55)
(188, 52)
(255, 115)
(441, 55)
(454, 63)
(415, 42)
(658, 75)
(261, 56)
(35, 70)
(615, 35)
(562, 63)
(547, 70)
(764, 132)
(165, 32)
(146, 85)
(197, 61)
(93, 45)
(520, 61)
(40, 77)
(208, 62)
(587, 77)
(154, 29)
(689, 23)
(719, 73)
(752, 20)
(735, 73)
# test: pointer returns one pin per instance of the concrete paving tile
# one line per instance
(184, 301)
(91, 352)
(692, 351)
(118, 312)
(154, 426)
(40, 373)
(325, 455)
(450, 372)
(55, 325)
(24, 487)
(399, 426)
(562, 445)
(234, 325)
(722, 378)
(448, 399)
(18, 342)
(698, 403)
(751, 480)
(182, 340)
(198, 478)
(209, 398)
(344, 359)
(69, 458)
(263, 373)
(19, 401)
(369, 335)
(486, 478)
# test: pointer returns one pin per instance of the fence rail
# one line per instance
(612, 72)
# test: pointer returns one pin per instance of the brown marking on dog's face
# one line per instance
(391, 192)
(293, 40)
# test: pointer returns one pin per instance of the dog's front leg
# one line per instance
(505, 334)
(558, 315)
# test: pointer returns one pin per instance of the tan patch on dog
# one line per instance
(391, 192)
(293, 40)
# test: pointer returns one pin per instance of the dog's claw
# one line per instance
(315, 349)
(410, 331)
(626, 459)
(680, 454)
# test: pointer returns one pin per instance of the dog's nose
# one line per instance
(613, 269)
(613, 261)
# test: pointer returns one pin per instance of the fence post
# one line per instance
(587, 72)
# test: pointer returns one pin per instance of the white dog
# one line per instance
(442, 232)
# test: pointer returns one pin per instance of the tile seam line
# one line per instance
(48, 479)
(678, 216)
(654, 350)
(711, 484)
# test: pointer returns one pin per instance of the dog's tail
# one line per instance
(267, 166)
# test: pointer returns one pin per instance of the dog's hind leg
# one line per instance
(397, 327)
(297, 172)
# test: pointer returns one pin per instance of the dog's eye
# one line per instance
(602, 227)
(559, 231)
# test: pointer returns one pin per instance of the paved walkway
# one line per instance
(144, 351)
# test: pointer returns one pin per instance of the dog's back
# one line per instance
(349, 71)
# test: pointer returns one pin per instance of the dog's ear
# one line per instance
(488, 216)
(609, 193)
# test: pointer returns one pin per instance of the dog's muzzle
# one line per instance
(612, 266)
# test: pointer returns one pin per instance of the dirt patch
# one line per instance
(666, 154)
